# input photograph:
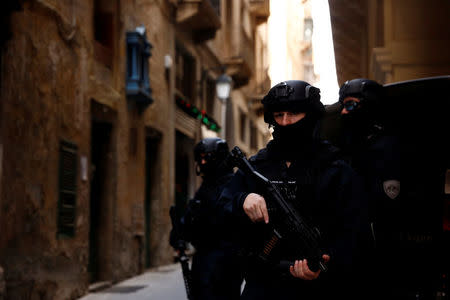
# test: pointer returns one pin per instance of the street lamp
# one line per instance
(223, 89)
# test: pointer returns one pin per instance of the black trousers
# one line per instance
(216, 275)
(279, 288)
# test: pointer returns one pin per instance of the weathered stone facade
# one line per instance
(63, 71)
(390, 40)
(2, 284)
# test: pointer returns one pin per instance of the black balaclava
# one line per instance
(295, 134)
(364, 121)
(295, 96)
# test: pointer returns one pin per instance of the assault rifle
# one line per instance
(304, 239)
(179, 244)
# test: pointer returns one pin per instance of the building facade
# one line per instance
(390, 41)
(101, 105)
(291, 29)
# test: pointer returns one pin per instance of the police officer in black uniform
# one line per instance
(215, 271)
(373, 150)
(405, 257)
(321, 187)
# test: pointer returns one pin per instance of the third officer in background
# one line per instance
(373, 149)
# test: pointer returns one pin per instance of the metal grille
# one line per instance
(67, 189)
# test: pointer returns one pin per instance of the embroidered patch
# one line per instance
(391, 188)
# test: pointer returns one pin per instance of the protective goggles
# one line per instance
(351, 105)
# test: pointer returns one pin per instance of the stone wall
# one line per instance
(56, 86)
(50, 77)
(41, 107)
(2, 284)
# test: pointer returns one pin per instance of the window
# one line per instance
(308, 29)
(216, 5)
(185, 73)
(210, 95)
(104, 11)
(67, 189)
(309, 72)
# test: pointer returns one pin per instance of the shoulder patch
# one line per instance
(391, 188)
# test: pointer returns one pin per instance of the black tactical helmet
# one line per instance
(214, 148)
(294, 96)
(369, 92)
(216, 151)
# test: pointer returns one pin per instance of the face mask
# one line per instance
(301, 131)
(291, 141)
(205, 169)
(357, 122)
(356, 128)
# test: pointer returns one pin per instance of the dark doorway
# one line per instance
(100, 149)
(152, 173)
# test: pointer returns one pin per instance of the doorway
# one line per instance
(98, 231)
(152, 190)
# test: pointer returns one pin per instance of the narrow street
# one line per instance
(165, 282)
(102, 105)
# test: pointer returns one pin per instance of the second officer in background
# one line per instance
(215, 271)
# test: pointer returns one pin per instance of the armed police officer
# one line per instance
(215, 271)
(375, 150)
(321, 187)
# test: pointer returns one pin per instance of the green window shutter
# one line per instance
(67, 189)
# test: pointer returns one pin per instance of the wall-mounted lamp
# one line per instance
(223, 89)
(168, 61)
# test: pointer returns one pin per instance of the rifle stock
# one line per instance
(293, 225)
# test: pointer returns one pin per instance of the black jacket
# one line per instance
(323, 189)
(204, 227)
